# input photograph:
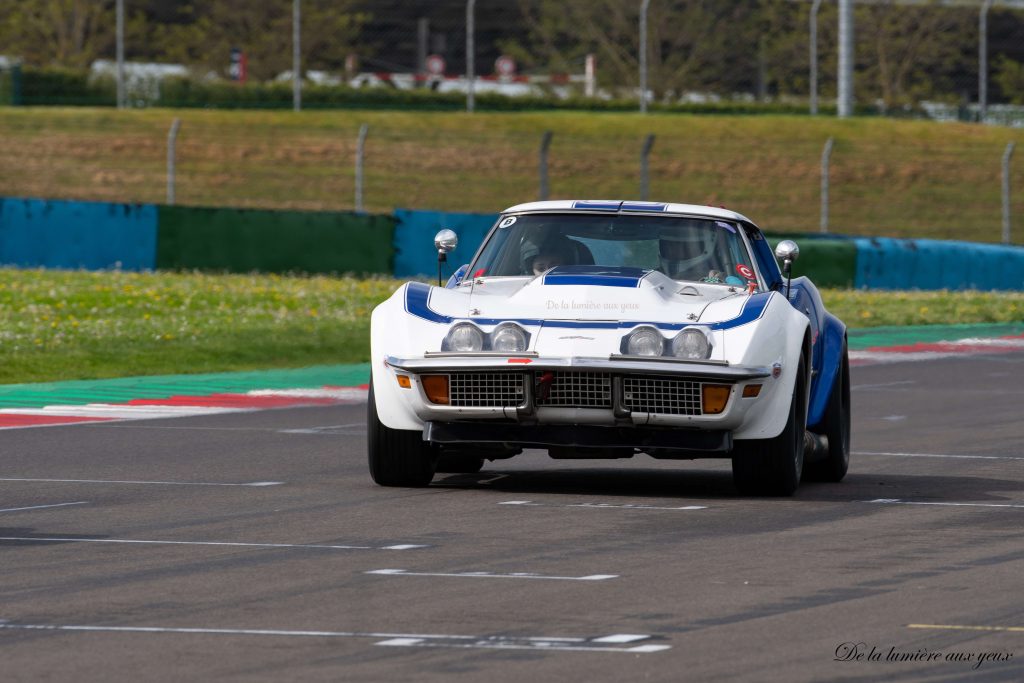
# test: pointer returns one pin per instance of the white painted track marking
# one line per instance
(115, 411)
(541, 643)
(897, 501)
(489, 575)
(40, 507)
(956, 627)
(212, 543)
(941, 455)
(626, 506)
(161, 483)
(884, 385)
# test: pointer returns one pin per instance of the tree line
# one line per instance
(904, 53)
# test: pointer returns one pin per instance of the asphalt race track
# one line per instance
(254, 546)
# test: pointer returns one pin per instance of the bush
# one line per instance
(59, 86)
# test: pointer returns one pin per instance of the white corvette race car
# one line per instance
(606, 329)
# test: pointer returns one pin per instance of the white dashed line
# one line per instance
(159, 483)
(492, 642)
(624, 506)
(40, 507)
(489, 575)
(48, 539)
(941, 455)
(897, 501)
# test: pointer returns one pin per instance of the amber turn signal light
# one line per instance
(436, 387)
(751, 390)
(714, 397)
(404, 381)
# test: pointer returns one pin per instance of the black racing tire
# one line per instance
(837, 429)
(459, 463)
(772, 467)
(397, 457)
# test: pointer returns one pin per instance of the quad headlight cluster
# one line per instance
(692, 343)
(468, 338)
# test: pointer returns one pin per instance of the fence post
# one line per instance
(119, 50)
(844, 105)
(1006, 191)
(296, 55)
(470, 54)
(983, 60)
(644, 153)
(826, 157)
(813, 47)
(360, 149)
(172, 139)
(643, 55)
(545, 143)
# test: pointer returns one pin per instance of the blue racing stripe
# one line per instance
(643, 206)
(597, 276)
(417, 303)
(597, 205)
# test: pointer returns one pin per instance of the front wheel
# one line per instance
(837, 429)
(772, 467)
(397, 457)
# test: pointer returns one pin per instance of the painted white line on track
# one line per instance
(492, 642)
(40, 507)
(897, 501)
(884, 385)
(625, 506)
(941, 455)
(160, 483)
(48, 539)
(958, 627)
(489, 575)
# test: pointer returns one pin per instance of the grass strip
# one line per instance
(76, 325)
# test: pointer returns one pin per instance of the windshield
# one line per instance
(694, 249)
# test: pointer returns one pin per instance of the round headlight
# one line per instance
(645, 341)
(463, 338)
(692, 343)
(508, 338)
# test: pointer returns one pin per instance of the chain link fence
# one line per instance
(909, 179)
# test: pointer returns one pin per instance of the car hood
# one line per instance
(596, 293)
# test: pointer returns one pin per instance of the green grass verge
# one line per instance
(889, 177)
(60, 325)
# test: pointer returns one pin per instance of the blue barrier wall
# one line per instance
(885, 263)
(414, 239)
(68, 234)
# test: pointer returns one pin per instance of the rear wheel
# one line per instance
(772, 467)
(837, 429)
(397, 457)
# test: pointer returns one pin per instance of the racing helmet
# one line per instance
(687, 249)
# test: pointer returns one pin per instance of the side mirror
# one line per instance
(787, 251)
(444, 241)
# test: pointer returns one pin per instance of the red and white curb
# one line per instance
(179, 406)
(933, 350)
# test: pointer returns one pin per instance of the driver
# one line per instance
(687, 250)
(554, 251)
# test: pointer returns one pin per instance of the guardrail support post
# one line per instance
(826, 158)
(545, 143)
(644, 153)
(172, 140)
(1007, 155)
(360, 150)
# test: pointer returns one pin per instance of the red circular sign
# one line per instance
(505, 66)
(745, 271)
(435, 65)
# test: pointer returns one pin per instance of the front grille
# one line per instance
(573, 389)
(663, 395)
(486, 389)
